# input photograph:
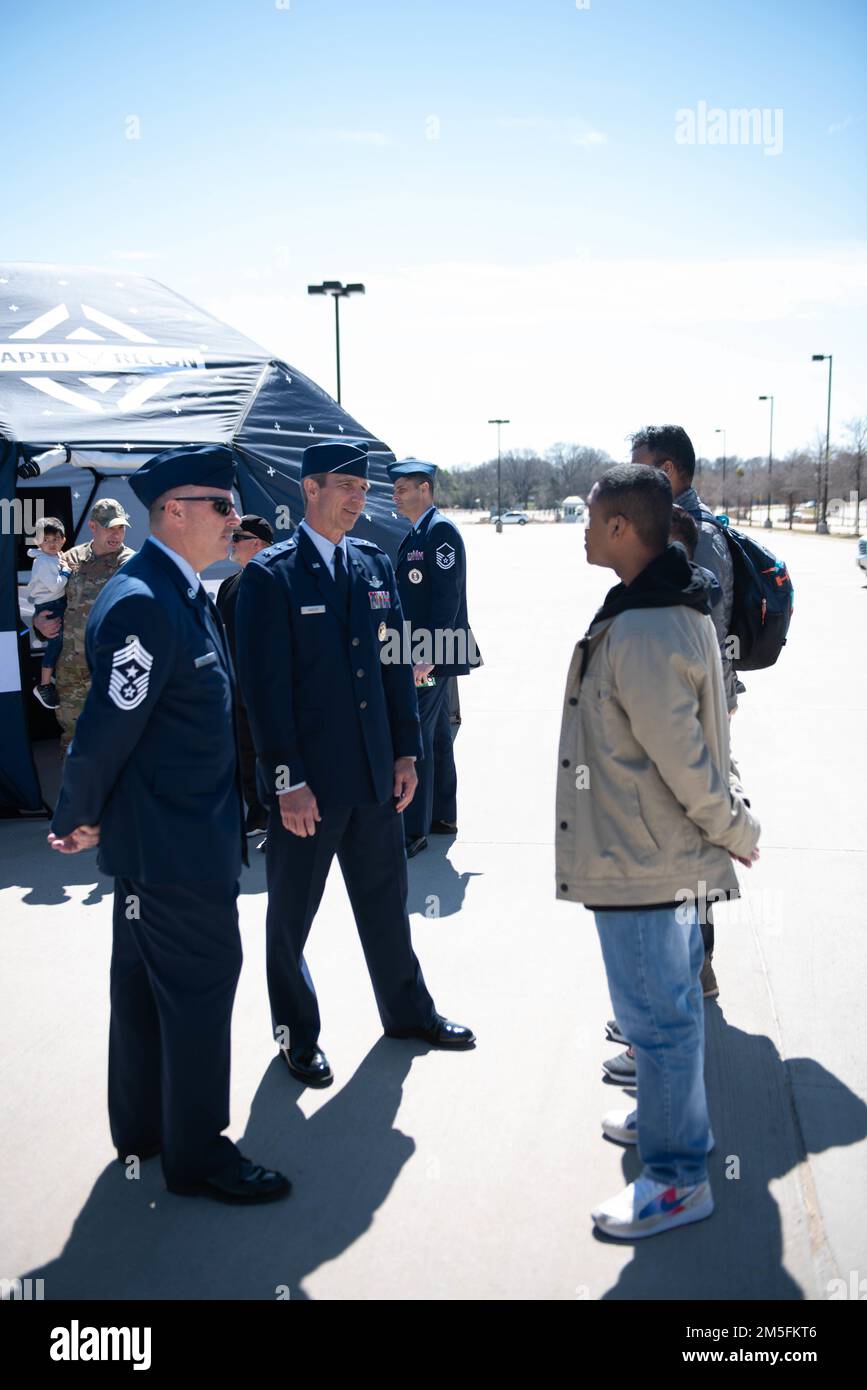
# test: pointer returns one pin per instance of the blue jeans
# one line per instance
(54, 646)
(653, 963)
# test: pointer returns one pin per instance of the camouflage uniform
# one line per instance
(72, 677)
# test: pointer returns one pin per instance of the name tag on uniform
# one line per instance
(379, 598)
(207, 660)
(313, 608)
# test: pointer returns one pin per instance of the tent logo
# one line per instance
(99, 362)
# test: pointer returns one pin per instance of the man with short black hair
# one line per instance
(669, 448)
(647, 823)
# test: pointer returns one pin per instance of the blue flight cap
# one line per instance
(336, 456)
(205, 465)
(404, 468)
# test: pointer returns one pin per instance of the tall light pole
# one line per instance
(723, 433)
(498, 423)
(768, 521)
(337, 292)
(822, 526)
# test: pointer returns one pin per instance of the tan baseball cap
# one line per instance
(107, 512)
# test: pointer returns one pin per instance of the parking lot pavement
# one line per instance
(420, 1175)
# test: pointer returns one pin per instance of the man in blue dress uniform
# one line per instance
(152, 778)
(432, 580)
(337, 735)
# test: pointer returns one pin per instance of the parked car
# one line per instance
(514, 518)
(861, 557)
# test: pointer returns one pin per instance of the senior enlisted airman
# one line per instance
(152, 778)
(92, 564)
(337, 735)
(432, 580)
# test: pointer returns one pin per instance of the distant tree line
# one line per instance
(541, 481)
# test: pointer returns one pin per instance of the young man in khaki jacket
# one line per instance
(648, 822)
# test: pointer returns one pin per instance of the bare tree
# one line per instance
(856, 452)
(575, 468)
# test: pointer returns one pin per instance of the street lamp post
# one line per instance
(337, 292)
(723, 433)
(822, 526)
(768, 521)
(498, 423)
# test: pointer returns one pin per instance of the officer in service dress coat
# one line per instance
(335, 723)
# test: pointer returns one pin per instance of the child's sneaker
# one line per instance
(647, 1208)
(622, 1127)
(46, 695)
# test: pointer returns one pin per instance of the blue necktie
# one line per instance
(341, 579)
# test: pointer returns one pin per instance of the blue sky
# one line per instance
(505, 179)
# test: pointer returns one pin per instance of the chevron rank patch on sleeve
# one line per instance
(445, 556)
(130, 672)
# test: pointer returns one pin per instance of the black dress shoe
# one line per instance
(245, 1185)
(414, 847)
(309, 1065)
(444, 827)
(442, 1033)
(143, 1152)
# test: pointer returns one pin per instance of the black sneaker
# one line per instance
(257, 821)
(621, 1069)
(46, 695)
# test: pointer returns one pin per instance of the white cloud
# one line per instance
(136, 255)
(361, 137)
(585, 349)
(571, 130)
(837, 127)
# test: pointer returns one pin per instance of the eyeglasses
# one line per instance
(222, 505)
(242, 536)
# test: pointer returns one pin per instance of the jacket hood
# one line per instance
(670, 580)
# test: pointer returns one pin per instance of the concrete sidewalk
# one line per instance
(420, 1175)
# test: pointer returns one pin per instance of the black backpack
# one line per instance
(762, 602)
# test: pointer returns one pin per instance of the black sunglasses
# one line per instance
(222, 505)
(243, 536)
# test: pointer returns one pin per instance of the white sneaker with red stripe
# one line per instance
(647, 1208)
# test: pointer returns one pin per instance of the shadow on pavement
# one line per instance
(737, 1253)
(41, 873)
(133, 1240)
(436, 889)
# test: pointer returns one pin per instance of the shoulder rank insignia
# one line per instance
(445, 556)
